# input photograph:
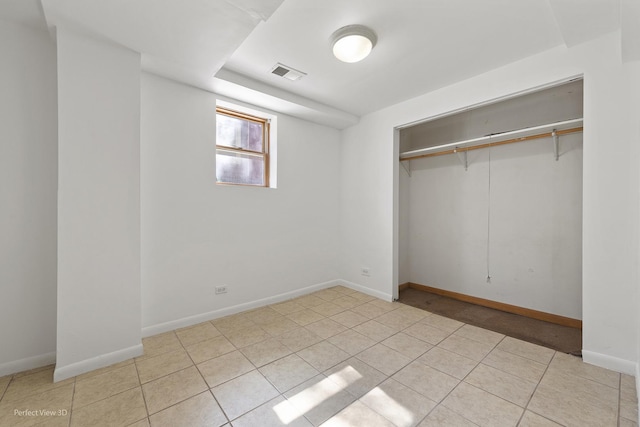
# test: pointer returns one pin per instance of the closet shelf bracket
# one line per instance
(556, 145)
(464, 160)
(406, 164)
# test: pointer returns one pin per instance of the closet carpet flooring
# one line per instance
(557, 337)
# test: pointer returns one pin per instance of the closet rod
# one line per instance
(426, 152)
(493, 144)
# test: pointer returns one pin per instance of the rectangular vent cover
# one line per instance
(280, 71)
(287, 72)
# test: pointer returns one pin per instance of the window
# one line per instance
(242, 148)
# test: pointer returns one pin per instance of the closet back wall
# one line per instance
(534, 208)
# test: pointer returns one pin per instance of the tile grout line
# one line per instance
(389, 377)
(180, 370)
(73, 396)
(32, 394)
(164, 376)
(113, 395)
(144, 398)
(7, 387)
(465, 377)
(526, 408)
(215, 399)
(209, 389)
(183, 369)
(320, 372)
(43, 423)
(528, 358)
(434, 346)
(266, 379)
(255, 368)
(619, 399)
(481, 362)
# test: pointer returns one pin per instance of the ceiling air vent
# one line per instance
(287, 72)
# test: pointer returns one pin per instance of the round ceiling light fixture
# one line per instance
(353, 43)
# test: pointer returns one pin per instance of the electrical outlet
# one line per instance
(364, 271)
(221, 290)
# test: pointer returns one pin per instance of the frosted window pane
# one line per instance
(255, 136)
(238, 133)
(239, 168)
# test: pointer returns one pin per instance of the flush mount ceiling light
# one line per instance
(353, 43)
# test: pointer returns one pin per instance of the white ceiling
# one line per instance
(185, 40)
(422, 45)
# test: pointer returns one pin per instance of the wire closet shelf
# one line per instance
(553, 130)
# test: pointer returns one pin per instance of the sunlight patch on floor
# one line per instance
(312, 396)
(377, 398)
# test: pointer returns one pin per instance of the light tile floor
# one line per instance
(334, 358)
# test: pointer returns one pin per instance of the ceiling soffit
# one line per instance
(422, 45)
(188, 41)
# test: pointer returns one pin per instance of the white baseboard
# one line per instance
(27, 363)
(368, 291)
(77, 368)
(148, 331)
(609, 362)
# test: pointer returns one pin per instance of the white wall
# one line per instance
(197, 235)
(366, 203)
(98, 319)
(610, 196)
(535, 239)
(634, 107)
(28, 180)
(404, 251)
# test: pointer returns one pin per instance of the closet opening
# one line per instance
(490, 215)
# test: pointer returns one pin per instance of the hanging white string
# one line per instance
(489, 221)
